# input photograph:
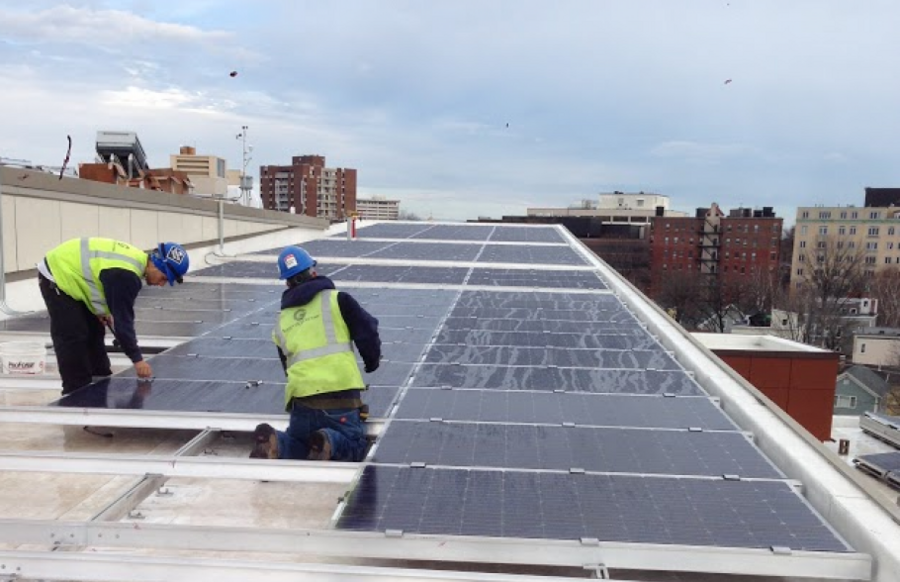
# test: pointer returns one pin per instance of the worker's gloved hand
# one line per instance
(143, 369)
(371, 367)
(106, 320)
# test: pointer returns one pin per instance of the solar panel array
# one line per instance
(524, 403)
(884, 466)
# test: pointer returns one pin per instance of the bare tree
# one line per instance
(406, 215)
(720, 302)
(834, 273)
(885, 287)
(678, 293)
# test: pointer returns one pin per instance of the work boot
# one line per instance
(319, 446)
(265, 443)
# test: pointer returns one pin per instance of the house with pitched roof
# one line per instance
(859, 389)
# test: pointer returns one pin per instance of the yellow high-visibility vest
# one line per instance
(76, 265)
(316, 342)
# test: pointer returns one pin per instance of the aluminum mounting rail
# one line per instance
(179, 466)
(470, 549)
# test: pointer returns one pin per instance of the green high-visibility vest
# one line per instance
(76, 265)
(316, 342)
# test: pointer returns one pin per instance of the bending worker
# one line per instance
(322, 394)
(89, 283)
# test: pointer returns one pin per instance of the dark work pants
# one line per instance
(77, 338)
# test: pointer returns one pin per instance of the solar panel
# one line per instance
(428, 251)
(585, 339)
(578, 408)
(609, 450)
(541, 326)
(455, 232)
(544, 356)
(523, 254)
(530, 234)
(541, 300)
(883, 463)
(401, 274)
(574, 379)
(202, 396)
(536, 278)
(615, 508)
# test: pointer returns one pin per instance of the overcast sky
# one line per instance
(598, 95)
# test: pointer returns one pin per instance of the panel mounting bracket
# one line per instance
(598, 571)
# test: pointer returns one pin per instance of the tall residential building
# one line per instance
(869, 233)
(736, 247)
(308, 187)
(378, 208)
(208, 173)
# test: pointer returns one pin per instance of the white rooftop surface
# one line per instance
(163, 504)
(755, 343)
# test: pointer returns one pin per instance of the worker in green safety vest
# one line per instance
(89, 284)
(315, 334)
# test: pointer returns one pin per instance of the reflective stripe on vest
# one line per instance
(98, 302)
(331, 347)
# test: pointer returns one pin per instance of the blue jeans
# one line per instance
(342, 427)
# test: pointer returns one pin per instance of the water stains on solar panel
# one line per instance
(543, 356)
(530, 234)
(429, 251)
(541, 326)
(549, 255)
(586, 339)
(519, 406)
(535, 278)
(616, 508)
(560, 448)
(401, 274)
(574, 379)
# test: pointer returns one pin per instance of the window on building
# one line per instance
(727, 253)
(800, 272)
(798, 286)
(851, 245)
(823, 230)
(874, 215)
(872, 246)
(675, 240)
(870, 260)
(842, 401)
(842, 230)
(840, 244)
(755, 228)
(803, 230)
(824, 214)
(852, 230)
(887, 260)
(854, 215)
(820, 244)
(753, 256)
(772, 256)
(862, 348)
(742, 270)
(802, 244)
(802, 258)
(891, 231)
(890, 246)
(873, 231)
(844, 215)
(804, 214)
(820, 259)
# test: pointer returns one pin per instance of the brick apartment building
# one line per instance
(309, 188)
(735, 247)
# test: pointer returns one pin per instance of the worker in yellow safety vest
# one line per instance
(315, 334)
(89, 284)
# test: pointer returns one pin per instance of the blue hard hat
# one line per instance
(293, 261)
(171, 259)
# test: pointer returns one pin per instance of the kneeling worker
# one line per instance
(91, 282)
(313, 334)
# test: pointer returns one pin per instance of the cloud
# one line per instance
(701, 153)
(109, 28)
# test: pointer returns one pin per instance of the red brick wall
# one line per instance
(802, 384)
